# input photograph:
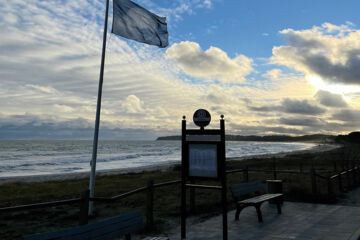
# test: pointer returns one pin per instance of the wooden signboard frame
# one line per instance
(202, 138)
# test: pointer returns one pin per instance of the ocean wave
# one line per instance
(54, 157)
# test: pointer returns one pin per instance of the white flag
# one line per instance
(135, 22)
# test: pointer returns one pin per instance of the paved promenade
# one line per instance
(303, 221)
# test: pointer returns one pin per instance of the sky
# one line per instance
(271, 67)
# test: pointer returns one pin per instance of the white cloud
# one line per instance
(330, 52)
(273, 74)
(43, 89)
(291, 106)
(63, 108)
(179, 8)
(213, 64)
(348, 115)
(132, 104)
(330, 99)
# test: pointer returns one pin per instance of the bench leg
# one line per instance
(238, 210)
(127, 237)
(258, 211)
(278, 205)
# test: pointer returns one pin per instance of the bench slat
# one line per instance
(113, 230)
(125, 224)
(156, 238)
(246, 188)
(116, 234)
(261, 198)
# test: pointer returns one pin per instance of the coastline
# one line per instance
(156, 167)
(315, 149)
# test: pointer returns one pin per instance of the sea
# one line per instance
(25, 157)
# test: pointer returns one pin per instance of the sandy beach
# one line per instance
(156, 167)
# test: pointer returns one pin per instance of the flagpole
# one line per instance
(98, 109)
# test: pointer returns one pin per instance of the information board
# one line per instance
(202, 157)
(203, 160)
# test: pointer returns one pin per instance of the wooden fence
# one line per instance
(84, 202)
(345, 180)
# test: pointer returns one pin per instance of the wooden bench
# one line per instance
(123, 225)
(245, 189)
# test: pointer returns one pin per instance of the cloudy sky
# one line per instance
(271, 67)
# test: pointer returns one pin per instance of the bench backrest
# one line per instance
(246, 189)
(105, 229)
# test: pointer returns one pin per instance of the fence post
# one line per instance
(150, 204)
(313, 181)
(340, 183)
(330, 189)
(192, 198)
(301, 167)
(348, 180)
(353, 173)
(246, 174)
(84, 207)
(357, 173)
(274, 165)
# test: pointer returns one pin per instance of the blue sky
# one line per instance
(252, 27)
(272, 67)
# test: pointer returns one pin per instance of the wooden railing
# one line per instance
(347, 177)
(84, 202)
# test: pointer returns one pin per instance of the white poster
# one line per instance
(203, 160)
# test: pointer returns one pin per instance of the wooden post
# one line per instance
(183, 179)
(84, 207)
(348, 186)
(274, 165)
(330, 189)
(353, 174)
(192, 198)
(313, 181)
(150, 205)
(223, 180)
(340, 183)
(246, 174)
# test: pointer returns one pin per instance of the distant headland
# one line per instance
(353, 137)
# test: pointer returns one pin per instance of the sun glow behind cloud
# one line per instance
(339, 88)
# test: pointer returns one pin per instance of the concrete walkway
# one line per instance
(303, 221)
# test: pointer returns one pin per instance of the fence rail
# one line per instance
(40, 205)
(84, 201)
(347, 177)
